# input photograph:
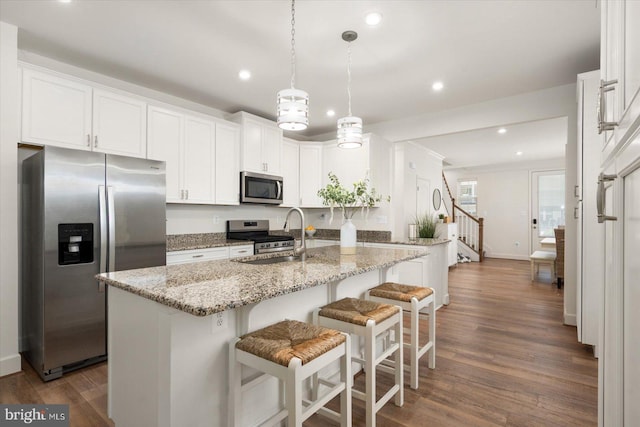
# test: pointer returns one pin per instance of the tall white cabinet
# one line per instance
(619, 189)
(590, 234)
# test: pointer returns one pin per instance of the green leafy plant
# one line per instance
(349, 201)
(426, 225)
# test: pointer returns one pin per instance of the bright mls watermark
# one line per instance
(34, 415)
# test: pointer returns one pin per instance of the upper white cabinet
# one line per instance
(202, 156)
(310, 175)
(260, 144)
(67, 113)
(227, 164)
(620, 70)
(55, 111)
(290, 173)
(119, 124)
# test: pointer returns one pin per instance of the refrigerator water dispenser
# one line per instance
(75, 244)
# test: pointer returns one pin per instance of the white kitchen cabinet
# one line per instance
(431, 270)
(227, 164)
(620, 66)
(290, 173)
(68, 113)
(240, 251)
(55, 111)
(119, 124)
(590, 235)
(201, 155)
(260, 144)
(198, 171)
(449, 231)
(619, 336)
(310, 175)
(373, 161)
(165, 142)
(197, 255)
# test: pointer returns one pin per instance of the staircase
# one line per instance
(470, 228)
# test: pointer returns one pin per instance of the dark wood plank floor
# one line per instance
(503, 359)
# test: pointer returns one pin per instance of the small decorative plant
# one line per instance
(441, 217)
(360, 198)
(426, 225)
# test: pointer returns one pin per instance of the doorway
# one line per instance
(423, 196)
(547, 205)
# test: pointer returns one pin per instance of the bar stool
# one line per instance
(292, 351)
(412, 300)
(370, 320)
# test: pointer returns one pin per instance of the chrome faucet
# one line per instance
(302, 250)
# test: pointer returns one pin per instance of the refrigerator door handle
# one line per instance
(102, 200)
(112, 229)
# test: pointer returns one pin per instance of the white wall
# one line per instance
(504, 198)
(412, 162)
(9, 136)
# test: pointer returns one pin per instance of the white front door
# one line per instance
(547, 205)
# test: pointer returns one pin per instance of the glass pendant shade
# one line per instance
(292, 107)
(350, 132)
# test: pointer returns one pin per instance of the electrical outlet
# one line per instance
(216, 219)
(219, 321)
(382, 219)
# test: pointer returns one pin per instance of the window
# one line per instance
(467, 196)
(550, 203)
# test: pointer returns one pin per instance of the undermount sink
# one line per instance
(274, 260)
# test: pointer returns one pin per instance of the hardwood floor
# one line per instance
(503, 359)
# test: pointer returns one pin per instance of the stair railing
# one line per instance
(470, 228)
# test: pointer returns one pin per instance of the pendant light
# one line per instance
(292, 105)
(349, 127)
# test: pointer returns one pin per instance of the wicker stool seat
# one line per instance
(370, 320)
(416, 301)
(292, 351)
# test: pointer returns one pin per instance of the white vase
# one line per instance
(348, 238)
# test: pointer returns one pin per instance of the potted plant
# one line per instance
(361, 197)
(441, 217)
(426, 225)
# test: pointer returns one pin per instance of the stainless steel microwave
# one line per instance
(260, 188)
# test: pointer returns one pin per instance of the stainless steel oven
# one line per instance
(260, 188)
(258, 232)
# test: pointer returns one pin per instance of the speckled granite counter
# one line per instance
(184, 242)
(210, 287)
(412, 242)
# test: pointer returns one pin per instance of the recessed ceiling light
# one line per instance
(244, 74)
(502, 131)
(331, 113)
(437, 86)
(373, 18)
(518, 153)
(64, 1)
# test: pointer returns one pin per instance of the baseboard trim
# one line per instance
(10, 365)
(508, 256)
(570, 319)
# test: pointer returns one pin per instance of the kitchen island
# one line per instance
(169, 327)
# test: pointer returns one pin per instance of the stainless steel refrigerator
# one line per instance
(83, 213)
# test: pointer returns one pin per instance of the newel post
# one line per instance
(453, 210)
(480, 238)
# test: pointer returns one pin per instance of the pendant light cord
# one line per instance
(349, 75)
(293, 43)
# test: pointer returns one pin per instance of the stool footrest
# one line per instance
(387, 396)
(388, 352)
(276, 419)
(313, 406)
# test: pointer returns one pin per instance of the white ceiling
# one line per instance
(536, 140)
(480, 49)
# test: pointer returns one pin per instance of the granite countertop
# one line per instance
(185, 242)
(210, 287)
(412, 242)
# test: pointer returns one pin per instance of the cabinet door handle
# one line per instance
(186, 194)
(576, 191)
(575, 212)
(601, 198)
(601, 105)
(88, 140)
(242, 252)
(181, 194)
(197, 256)
(95, 141)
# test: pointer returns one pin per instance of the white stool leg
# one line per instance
(399, 371)
(293, 392)
(532, 269)
(432, 331)
(347, 379)
(415, 346)
(370, 375)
